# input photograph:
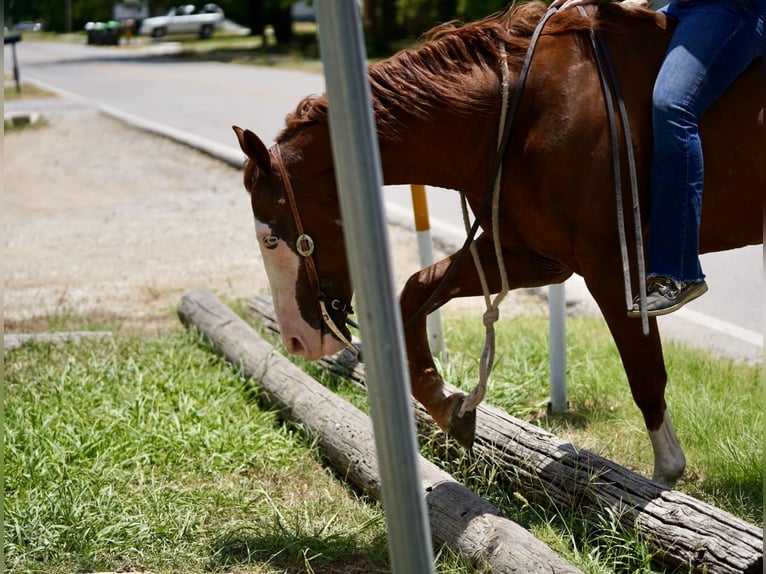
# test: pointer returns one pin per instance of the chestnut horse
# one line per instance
(437, 110)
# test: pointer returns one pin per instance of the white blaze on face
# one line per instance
(282, 268)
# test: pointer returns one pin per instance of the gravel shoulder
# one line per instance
(103, 220)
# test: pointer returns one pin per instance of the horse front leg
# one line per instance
(427, 383)
(524, 268)
(645, 368)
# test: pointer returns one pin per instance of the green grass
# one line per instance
(152, 454)
(716, 404)
(720, 430)
(302, 54)
(28, 91)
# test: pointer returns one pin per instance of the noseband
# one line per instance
(304, 245)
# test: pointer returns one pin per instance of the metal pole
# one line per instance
(426, 252)
(16, 76)
(13, 39)
(557, 324)
(359, 175)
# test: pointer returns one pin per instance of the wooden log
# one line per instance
(344, 434)
(680, 530)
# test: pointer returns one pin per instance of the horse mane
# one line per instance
(430, 74)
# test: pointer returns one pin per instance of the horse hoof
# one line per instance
(463, 429)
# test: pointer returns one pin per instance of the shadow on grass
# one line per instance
(740, 493)
(299, 552)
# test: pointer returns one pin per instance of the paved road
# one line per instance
(202, 100)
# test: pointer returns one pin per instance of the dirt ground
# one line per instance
(108, 221)
(114, 223)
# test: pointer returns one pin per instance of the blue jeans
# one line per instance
(714, 41)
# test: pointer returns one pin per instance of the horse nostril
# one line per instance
(295, 346)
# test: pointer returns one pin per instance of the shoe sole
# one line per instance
(694, 293)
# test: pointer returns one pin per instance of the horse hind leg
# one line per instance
(645, 368)
(669, 460)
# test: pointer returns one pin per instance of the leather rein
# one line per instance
(427, 306)
(610, 86)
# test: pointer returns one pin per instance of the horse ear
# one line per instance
(254, 148)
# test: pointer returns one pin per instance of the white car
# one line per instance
(185, 19)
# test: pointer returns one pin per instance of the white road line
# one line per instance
(721, 326)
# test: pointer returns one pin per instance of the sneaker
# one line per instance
(665, 295)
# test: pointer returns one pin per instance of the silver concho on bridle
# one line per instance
(304, 245)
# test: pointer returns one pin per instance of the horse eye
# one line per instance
(271, 241)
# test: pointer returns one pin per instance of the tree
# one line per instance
(280, 16)
(257, 17)
(380, 19)
(54, 12)
(257, 14)
(476, 9)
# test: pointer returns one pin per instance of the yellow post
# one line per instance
(420, 207)
(425, 250)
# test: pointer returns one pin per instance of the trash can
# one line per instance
(104, 33)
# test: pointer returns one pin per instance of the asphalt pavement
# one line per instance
(198, 102)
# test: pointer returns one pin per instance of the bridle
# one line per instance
(304, 245)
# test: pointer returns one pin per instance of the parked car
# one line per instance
(28, 26)
(185, 19)
(303, 12)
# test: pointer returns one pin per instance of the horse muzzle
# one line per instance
(311, 345)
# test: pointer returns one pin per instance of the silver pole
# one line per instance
(557, 325)
(359, 175)
(434, 319)
(426, 252)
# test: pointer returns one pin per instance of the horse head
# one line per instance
(300, 234)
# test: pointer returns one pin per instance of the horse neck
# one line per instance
(448, 150)
(453, 148)
(444, 147)
(441, 147)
